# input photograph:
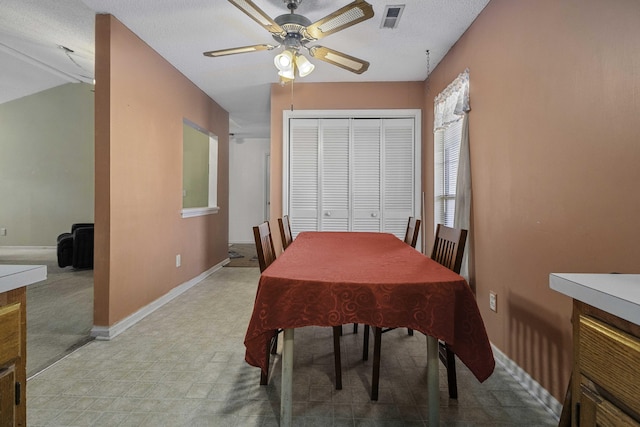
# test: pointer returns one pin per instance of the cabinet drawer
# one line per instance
(609, 357)
(9, 333)
(8, 397)
(597, 411)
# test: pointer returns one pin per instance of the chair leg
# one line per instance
(451, 374)
(274, 344)
(337, 331)
(365, 344)
(448, 358)
(410, 331)
(375, 379)
(264, 375)
(355, 328)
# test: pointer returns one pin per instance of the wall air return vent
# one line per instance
(391, 16)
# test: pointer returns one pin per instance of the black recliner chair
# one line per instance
(76, 248)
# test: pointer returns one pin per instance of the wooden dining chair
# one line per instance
(264, 245)
(448, 247)
(448, 250)
(411, 239)
(266, 256)
(285, 231)
(413, 232)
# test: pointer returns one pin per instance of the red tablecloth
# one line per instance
(330, 279)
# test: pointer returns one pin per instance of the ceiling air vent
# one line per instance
(391, 16)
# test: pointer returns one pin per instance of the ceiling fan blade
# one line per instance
(351, 14)
(242, 49)
(255, 13)
(342, 60)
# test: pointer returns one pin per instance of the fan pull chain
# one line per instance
(292, 95)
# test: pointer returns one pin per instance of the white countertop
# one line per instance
(618, 294)
(16, 276)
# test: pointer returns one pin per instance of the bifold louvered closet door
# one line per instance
(351, 174)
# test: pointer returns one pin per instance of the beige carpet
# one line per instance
(59, 309)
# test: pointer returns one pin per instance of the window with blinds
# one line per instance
(447, 152)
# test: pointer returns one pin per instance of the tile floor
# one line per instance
(183, 365)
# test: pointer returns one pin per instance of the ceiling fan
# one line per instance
(295, 31)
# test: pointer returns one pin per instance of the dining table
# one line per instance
(336, 278)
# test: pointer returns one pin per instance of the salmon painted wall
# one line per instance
(330, 96)
(555, 155)
(141, 101)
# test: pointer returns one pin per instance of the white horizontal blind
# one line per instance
(447, 153)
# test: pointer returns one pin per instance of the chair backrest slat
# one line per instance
(285, 231)
(413, 231)
(264, 245)
(448, 247)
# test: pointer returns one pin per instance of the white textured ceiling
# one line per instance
(32, 31)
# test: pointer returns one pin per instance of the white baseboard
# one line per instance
(105, 333)
(528, 383)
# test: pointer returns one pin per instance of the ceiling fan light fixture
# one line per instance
(284, 81)
(284, 61)
(287, 74)
(305, 67)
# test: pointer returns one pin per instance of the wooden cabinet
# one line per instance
(13, 340)
(13, 358)
(8, 396)
(606, 372)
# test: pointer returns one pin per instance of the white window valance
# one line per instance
(451, 104)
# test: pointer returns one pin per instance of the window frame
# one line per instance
(446, 142)
(212, 189)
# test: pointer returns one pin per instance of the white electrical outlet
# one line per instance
(178, 260)
(493, 301)
(3, 231)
